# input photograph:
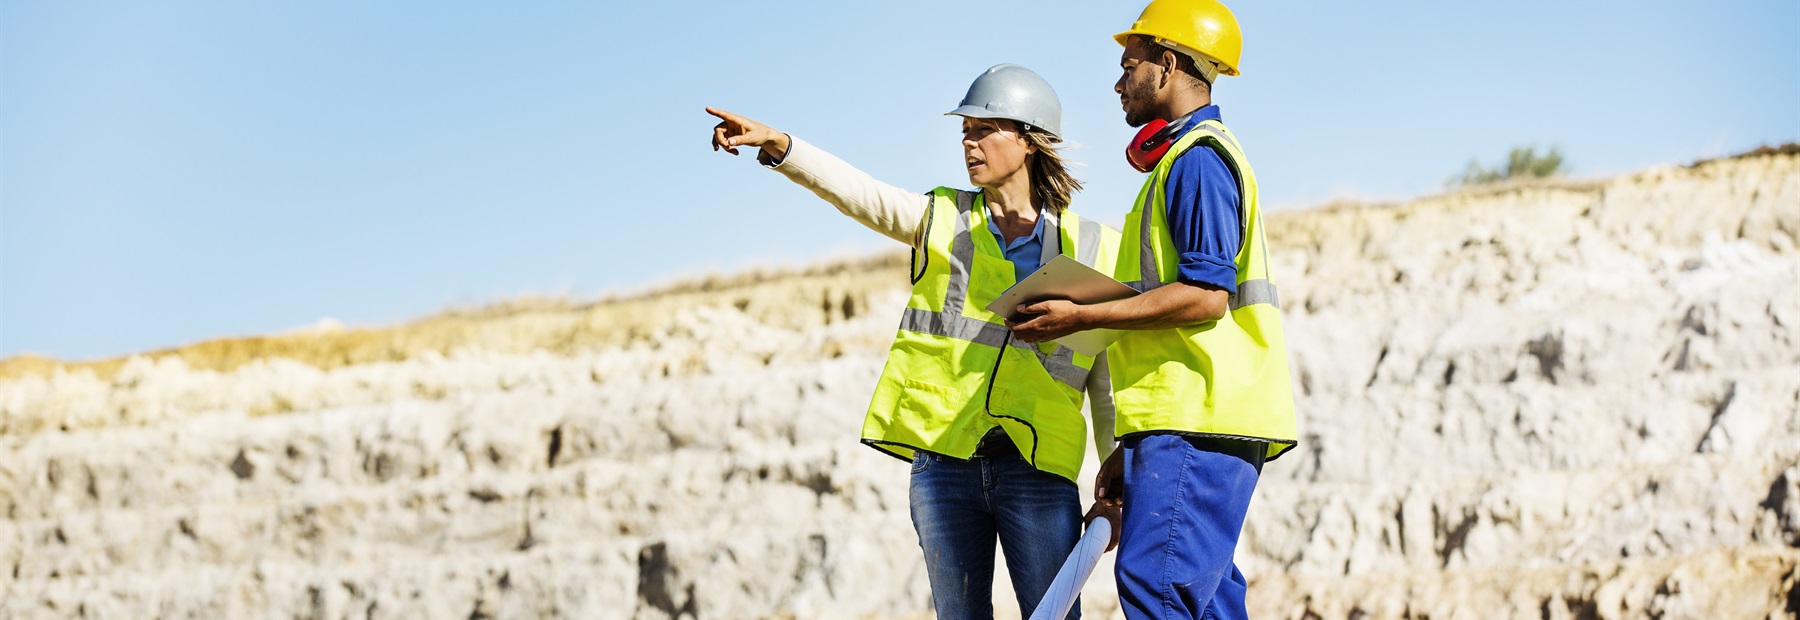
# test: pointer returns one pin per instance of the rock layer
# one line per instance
(1553, 400)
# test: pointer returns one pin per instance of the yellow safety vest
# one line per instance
(955, 370)
(1227, 378)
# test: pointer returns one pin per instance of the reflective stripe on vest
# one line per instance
(1087, 249)
(1249, 293)
(952, 323)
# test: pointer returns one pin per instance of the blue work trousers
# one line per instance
(960, 507)
(1184, 504)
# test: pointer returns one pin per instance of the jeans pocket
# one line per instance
(921, 460)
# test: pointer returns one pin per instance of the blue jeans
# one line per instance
(959, 507)
(1184, 505)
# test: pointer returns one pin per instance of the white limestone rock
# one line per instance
(1553, 400)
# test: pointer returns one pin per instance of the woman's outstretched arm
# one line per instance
(891, 211)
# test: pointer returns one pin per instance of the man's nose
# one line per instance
(1119, 86)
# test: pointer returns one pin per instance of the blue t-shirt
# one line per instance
(1204, 215)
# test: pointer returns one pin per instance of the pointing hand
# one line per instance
(734, 131)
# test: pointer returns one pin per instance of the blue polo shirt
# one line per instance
(1025, 252)
(1204, 212)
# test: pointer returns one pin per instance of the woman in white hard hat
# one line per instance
(992, 426)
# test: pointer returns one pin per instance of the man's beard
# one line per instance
(1139, 94)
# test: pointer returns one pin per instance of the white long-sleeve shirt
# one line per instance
(899, 214)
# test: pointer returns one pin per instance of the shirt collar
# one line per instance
(1193, 119)
(1037, 233)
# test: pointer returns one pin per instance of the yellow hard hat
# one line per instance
(1205, 27)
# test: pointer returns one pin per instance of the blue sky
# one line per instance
(177, 171)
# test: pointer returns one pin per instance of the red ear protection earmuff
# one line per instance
(1149, 146)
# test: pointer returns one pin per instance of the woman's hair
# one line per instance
(1052, 186)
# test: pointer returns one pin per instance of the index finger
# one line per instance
(725, 115)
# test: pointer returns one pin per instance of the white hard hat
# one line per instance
(1013, 92)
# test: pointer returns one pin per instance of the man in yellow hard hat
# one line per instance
(1200, 380)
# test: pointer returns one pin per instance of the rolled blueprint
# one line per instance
(1075, 571)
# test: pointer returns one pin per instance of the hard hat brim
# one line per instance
(1124, 40)
(975, 111)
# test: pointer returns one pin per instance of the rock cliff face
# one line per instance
(1553, 401)
(1556, 400)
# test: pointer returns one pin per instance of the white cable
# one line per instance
(1075, 571)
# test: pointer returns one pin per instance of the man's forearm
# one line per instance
(1177, 304)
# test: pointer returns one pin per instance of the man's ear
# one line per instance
(1170, 63)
